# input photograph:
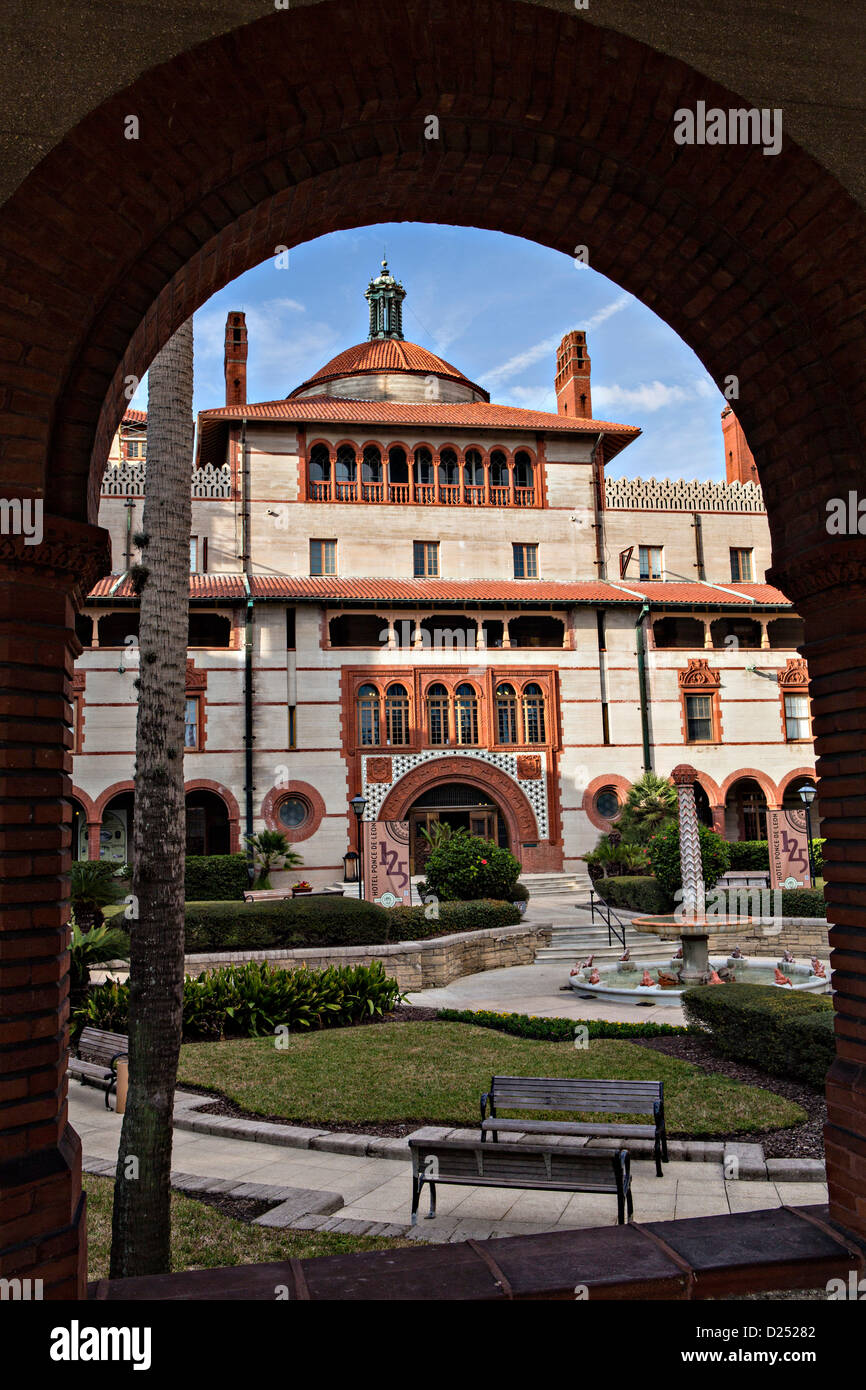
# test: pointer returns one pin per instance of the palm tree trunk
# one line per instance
(141, 1227)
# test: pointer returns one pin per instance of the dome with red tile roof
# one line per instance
(390, 369)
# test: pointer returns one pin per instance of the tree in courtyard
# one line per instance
(271, 850)
(141, 1225)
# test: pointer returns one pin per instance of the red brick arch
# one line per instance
(110, 793)
(516, 810)
(767, 785)
(204, 784)
(794, 776)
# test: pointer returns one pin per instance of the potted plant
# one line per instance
(302, 887)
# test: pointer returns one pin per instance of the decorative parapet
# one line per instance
(128, 479)
(669, 495)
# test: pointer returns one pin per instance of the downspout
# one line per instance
(248, 654)
(642, 685)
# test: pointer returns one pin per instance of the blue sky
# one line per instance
(496, 307)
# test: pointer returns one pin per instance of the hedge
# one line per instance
(796, 902)
(330, 920)
(464, 868)
(252, 1000)
(557, 1029)
(755, 854)
(772, 1028)
(635, 893)
(215, 877)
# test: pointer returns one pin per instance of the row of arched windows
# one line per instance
(449, 476)
(383, 715)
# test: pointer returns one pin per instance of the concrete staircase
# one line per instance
(547, 885)
(571, 945)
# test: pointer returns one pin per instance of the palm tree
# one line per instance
(92, 887)
(651, 803)
(141, 1225)
(271, 850)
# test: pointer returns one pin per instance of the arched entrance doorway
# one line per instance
(745, 811)
(459, 805)
(116, 832)
(207, 824)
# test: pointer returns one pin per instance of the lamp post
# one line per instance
(807, 796)
(350, 867)
(359, 806)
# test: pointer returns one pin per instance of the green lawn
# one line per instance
(203, 1238)
(434, 1073)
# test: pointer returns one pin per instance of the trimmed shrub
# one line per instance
(752, 1023)
(749, 854)
(664, 856)
(796, 902)
(520, 893)
(465, 868)
(332, 921)
(557, 1029)
(251, 1000)
(215, 877)
(635, 894)
(810, 1044)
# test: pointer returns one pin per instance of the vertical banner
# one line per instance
(789, 849)
(386, 862)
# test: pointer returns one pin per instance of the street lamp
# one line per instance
(807, 796)
(350, 867)
(359, 806)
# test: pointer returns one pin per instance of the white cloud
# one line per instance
(650, 395)
(533, 354)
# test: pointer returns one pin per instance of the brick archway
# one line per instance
(758, 263)
(795, 776)
(523, 834)
(767, 785)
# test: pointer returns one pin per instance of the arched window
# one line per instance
(346, 464)
(473, 468)
(499, 476)
(533, 713)
(396, 715)
(523, 474)
(371, 466)
(423, 467)
(448, 472)
(368, 716)
(466, 714)
(398, 466)
(506, 714)
(437, 713)
(320, 464)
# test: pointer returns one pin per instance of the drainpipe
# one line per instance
(642, 685)
(248, 653)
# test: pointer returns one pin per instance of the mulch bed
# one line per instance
(800, 1141)
(239, 1208)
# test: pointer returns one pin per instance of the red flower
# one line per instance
(483, 861)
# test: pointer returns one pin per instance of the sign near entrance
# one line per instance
(789, 849)
(386, 862)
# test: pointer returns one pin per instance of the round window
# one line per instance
(607, 803)
(293, 812)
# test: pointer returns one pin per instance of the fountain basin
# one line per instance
(754, 971)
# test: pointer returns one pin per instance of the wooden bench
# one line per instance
(96, 1064)
(588, 1097)
(263, 895)
(476, 1164)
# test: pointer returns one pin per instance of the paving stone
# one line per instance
(429, 1132)
(750, 1161)
(309, 1223)
(389, 1148)
(796, 1170)
(303, 1202)
(341, 1143)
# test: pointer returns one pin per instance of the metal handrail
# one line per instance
(615, 928)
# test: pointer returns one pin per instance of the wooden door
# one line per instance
(483, 824)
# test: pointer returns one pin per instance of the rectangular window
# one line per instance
(741, 566)
(651, 561)
(191, 722)
(290, 629)
(796, 717)
(193, 554)
(133, 447)
(323, 557)
(525, 561)
(293, 727)
(425, 559)
(699, 717)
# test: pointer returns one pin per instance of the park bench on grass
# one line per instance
(263, 895)
(475, 1164)
(587, 1097)
(99, 1054)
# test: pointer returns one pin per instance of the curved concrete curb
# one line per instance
(746, 1161)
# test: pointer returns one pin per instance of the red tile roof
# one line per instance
(386, 355)
(135, 417)
(468, 415)
(334, 589)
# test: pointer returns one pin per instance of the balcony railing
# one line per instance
(422, 494)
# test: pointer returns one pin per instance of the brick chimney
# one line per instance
(740, 466)
(572, 377)
(235, 359)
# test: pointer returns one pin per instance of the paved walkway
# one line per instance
(376, 1190)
